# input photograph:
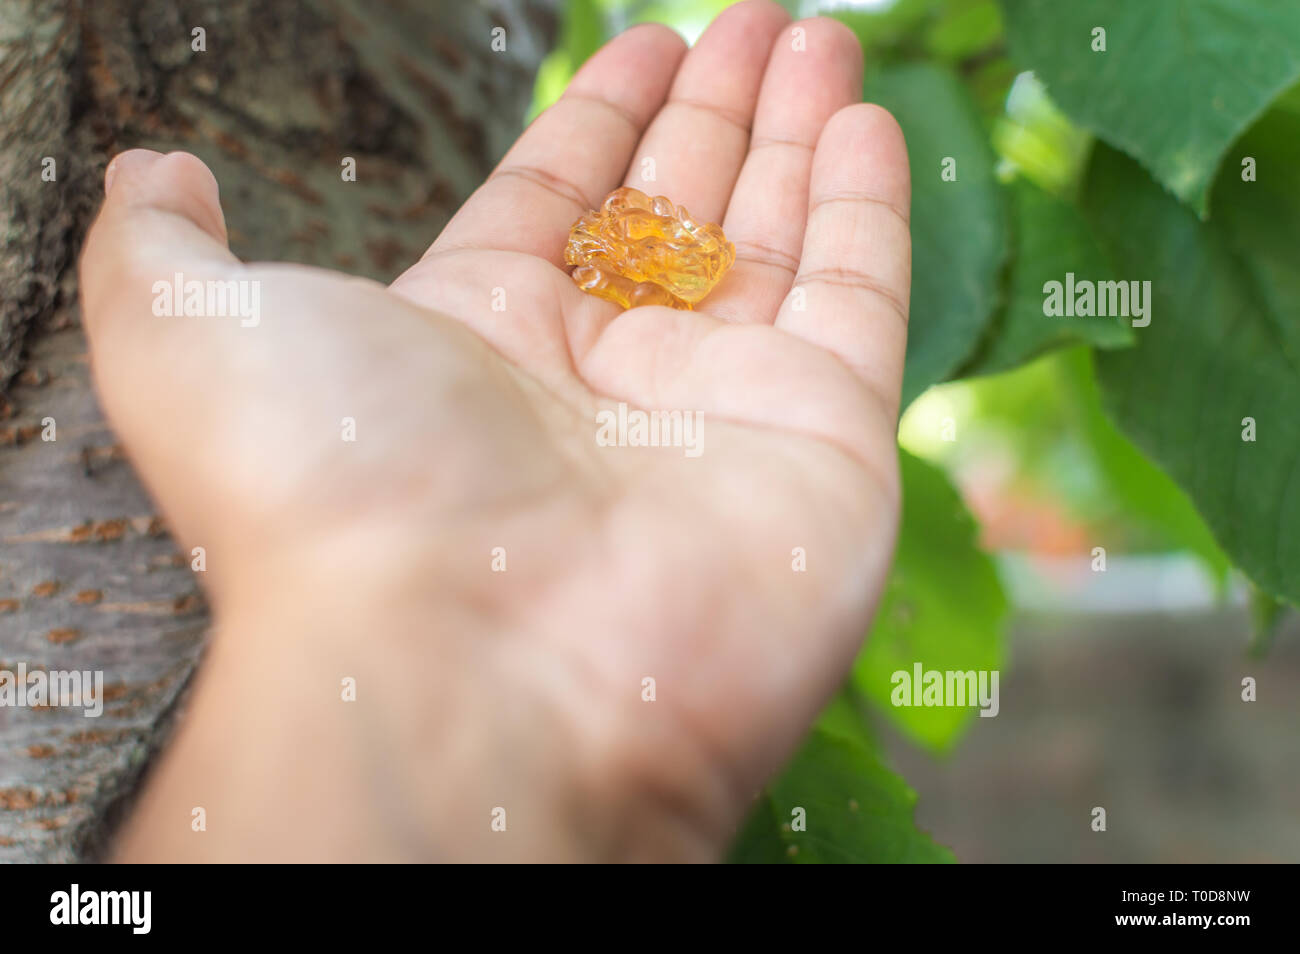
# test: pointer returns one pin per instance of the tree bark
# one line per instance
(282, 94)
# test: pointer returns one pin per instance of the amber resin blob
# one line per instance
(637, 250)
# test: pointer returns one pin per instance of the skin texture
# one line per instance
(475, 429)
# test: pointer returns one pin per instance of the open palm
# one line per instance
(741, 580)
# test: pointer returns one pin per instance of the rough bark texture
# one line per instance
(89, 578)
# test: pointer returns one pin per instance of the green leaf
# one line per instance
(959, 230)
(1215, 353)
(855, 811)
(1052, 239)
(583, 30)
(1142, 495)
(943, 606)
(884, 30)
(1037, 140)
(1178, 82)
(1262, 218)
(964, 28)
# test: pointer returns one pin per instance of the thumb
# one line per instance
(161, 215)
(158, 368)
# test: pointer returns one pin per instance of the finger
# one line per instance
(850, 295)
(815, 70)
(693, 150)
(161, 214)
(156, 248)
(154, 358)
(573, 153)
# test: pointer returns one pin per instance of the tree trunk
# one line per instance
(274, 95)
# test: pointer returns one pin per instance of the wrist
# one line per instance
(331, 722)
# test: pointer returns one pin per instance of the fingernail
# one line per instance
(137, 159)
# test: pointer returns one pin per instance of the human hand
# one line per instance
(476, 429)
